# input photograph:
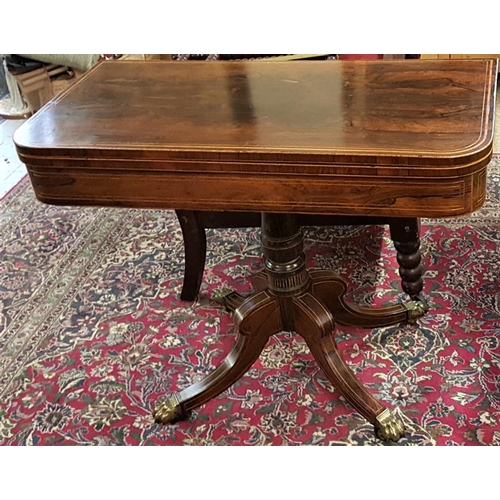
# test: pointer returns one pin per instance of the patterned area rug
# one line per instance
(92, 333)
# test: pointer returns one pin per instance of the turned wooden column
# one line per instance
(285, 261)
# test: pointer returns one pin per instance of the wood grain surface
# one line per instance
(405, 138)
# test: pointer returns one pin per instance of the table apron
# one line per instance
(336, 195)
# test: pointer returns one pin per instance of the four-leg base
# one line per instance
(288, 297)
(314, 314)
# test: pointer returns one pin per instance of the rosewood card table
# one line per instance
(402, 139)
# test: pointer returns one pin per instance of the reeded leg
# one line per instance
(257, 319)
(330, 289)
(231, 301)
(195, 248)
(315, 323)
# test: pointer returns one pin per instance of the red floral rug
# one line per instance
(92, 333)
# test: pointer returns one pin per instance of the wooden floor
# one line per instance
(11, 168)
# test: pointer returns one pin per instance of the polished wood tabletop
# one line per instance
(393, 138)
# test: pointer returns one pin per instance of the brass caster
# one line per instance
(388, 427)
(169, 412)
(415, 309)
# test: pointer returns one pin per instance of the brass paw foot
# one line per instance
(415, 309)
(169, 412)
(388, 427)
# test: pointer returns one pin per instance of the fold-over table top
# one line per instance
(387, 112)
(392, 138)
